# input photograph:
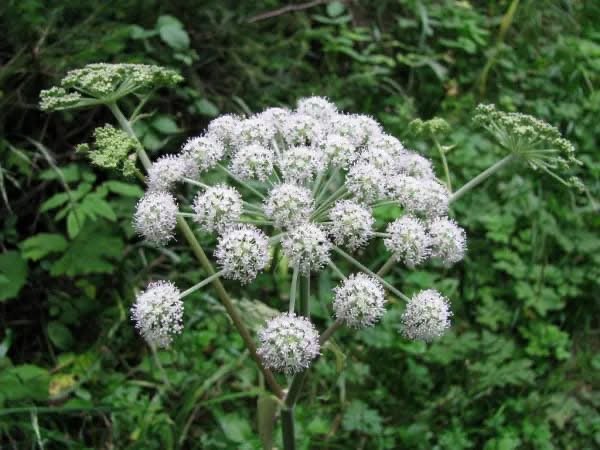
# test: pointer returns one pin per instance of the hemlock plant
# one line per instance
(306, 180)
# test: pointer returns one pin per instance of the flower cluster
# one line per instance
(158, 313)
(288, 343)
(427, 316)
(82, 87)
(307, 180)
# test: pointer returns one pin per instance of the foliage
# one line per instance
(518, 370)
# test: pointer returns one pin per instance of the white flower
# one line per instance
(415, 166)
(448, 240)
(204, 151)
(379, 158)
(168, 170)
(427, 316)
(366, 182)
(254, 130)
(288, 343)
(155, 217)
(218, 207)
(224, 128)
(276, 117)
(242, 251)
(388, 144)
(351, 127)
(351, 224)
(301, 129)
(288, 205)
(340, 151)
(359, 301)
(300, 164)
(408, 241)
(307, 246)
(158, 313)
(419, 196)
(318, 108)
(253, 161)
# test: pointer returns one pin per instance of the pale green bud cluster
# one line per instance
(112, 149)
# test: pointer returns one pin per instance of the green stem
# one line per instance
(126, 126)
(386, 267)
(333, 197)
(203, 283)
(365, 269)
(293, 289)
(287, 428)
(207, 266)
(305, 296)
(481, 177)
(444, 162)
(241, 182)
(228, 304)
(329, 331)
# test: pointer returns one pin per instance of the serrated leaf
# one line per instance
(55, 201)
(60, 335)
(42, 244)
(172, 33)
(91, 252)
(94, 205)
(13, 269)
(334, 9)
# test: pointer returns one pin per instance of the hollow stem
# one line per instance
(365, 269)
(126, 126)
(481, 177)
(305, 296)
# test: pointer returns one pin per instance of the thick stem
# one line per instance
(481, 177)
(287, 428)
(206, 264)
(293, 289)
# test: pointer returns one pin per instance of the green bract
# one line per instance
(535, 141)
(103, 83)
(112, 149)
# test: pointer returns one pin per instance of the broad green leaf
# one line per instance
(125, 189)
(75, 222)
(26, 382)
(42, 244)
(206, 108)
(334, 9)
(93, 205)
(164, 124)
(55, 201)
(172, 33)
(13, 270)
(92, 251)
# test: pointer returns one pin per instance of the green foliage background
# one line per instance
(520, 367)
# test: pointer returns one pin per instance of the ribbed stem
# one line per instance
(386, 267)
(305, 296)
(329, 331)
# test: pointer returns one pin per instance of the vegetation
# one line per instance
(519, 367)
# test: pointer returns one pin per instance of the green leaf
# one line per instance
(55, 201)
(164, 124)
(94, 205)
(60, 335)
(91, 252)
(26, 382)
(172, 33)
(206, 108)
(75, 221)
(359, 417)
(13, 270)
(124, 189)
(42, 244)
